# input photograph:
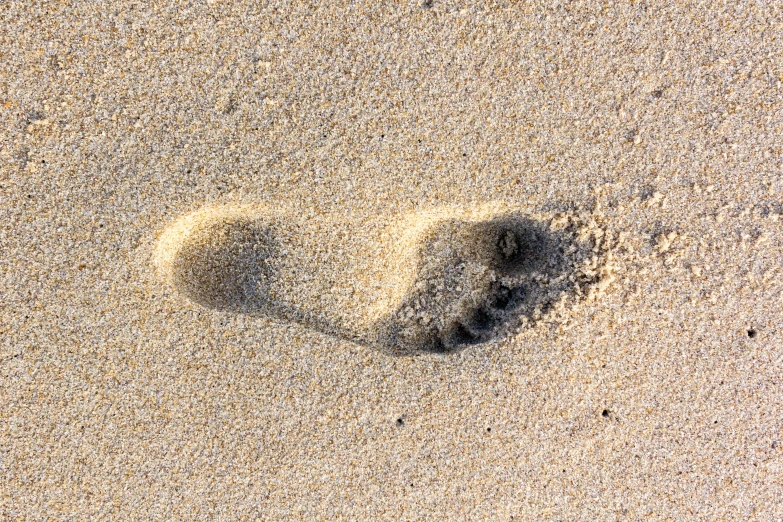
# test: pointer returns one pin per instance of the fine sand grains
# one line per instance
(319, 180)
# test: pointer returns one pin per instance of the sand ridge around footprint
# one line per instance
(436, 281)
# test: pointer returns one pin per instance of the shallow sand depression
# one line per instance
(409, 261)
(445, 279)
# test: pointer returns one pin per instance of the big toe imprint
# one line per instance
(443, 282)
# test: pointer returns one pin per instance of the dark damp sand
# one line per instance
(650, 390)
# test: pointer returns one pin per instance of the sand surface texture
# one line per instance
(391, 261)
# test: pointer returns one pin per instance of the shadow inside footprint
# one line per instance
(247, 260)
(473, 278)
(225, 263)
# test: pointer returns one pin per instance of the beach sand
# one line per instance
(244, 247)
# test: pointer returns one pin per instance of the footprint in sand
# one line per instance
(446, 279)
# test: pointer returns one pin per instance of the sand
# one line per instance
(374, 155)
